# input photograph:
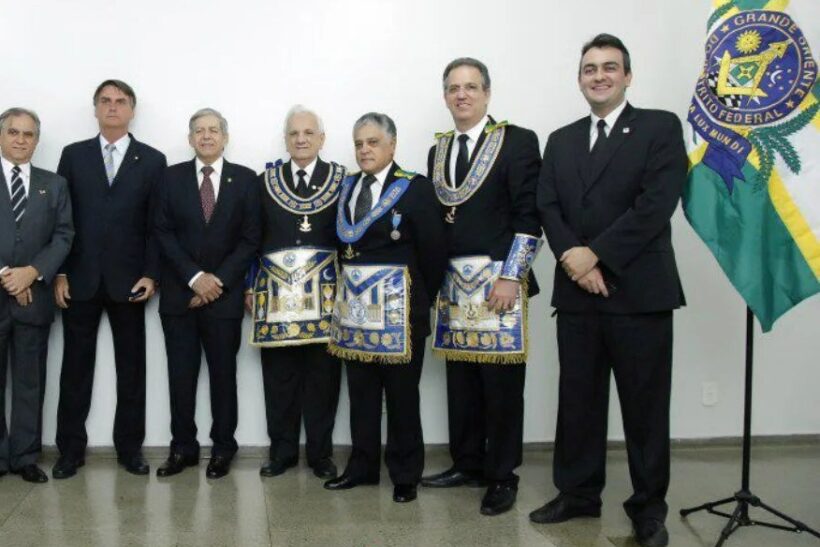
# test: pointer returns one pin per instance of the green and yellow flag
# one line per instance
(753, 193)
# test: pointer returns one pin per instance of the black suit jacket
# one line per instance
(113, 243)
(421, 245)
(42, 240)
(504, 204)
(223, 247)
(281, 227)
(620, 207)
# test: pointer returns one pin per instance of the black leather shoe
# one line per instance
(277, 466)
(218, 467)
(499, 499)
(564, 508)
(452, 477)
(325, 469)
(135, 465)
(66, 467)
(175, 464)
(31, 473)
(402, 493)
(651, 533)
(346, 482)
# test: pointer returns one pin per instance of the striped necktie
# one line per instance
(108, 158)
(18, 195)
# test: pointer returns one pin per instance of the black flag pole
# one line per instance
(744, 498)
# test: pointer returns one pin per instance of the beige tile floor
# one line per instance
(105, 506)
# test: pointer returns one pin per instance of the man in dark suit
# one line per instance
(35, 236)
(113, 267)
(207, 224)
(485, 175)
(393, 261)
(292, 327)
(608, 187)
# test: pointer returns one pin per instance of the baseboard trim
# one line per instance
(677, 444)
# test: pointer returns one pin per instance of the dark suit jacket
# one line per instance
(42, 241)
(620, 207)
(114, 242)
(223, 247)
(504, 204)
(421, 245)
(281, 227)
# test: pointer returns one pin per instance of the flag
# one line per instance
(753, 191)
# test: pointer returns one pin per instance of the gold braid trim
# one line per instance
(380, 358)
(496, 358)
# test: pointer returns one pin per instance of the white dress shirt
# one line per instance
(610, 120)
(473, 134)
(375, 190)
(215, 177)
(118, 155)
(308, 169)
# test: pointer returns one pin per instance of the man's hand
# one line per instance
(196, 302)
(578, 261)
(502, 295)
(593, 283)
(249, 302)
(25, 298)
(150, 288)
(61, 294)
(208, 287)
(17, 280)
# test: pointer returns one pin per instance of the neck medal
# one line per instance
(480, 168)
(287, 199)
(351, 233)
(395, 234)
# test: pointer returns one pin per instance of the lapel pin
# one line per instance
(136, 158)
(626, 130)
(230, 180)
(42, 192)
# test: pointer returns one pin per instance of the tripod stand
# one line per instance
(744, 497)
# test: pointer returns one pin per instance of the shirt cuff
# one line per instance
(194, 278)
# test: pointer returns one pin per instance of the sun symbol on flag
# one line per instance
(748, 42)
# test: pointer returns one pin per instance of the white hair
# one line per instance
(301, 109)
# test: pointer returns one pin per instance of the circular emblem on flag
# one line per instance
(758, 69)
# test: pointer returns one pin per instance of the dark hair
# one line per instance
(377, 118)
(607, 40)
(468, 61)
(119, 84)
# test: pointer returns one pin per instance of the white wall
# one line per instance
(253, 60)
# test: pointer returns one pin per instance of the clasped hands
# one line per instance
(580, 264)
(17, 282)
(208, 288)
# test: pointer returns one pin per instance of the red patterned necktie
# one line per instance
(206, 193)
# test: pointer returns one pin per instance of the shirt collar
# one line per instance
(217, 166)
(610, 118)
(308, 169)
(25, 169)
(381, 176)
(475, 131)
(122, 143)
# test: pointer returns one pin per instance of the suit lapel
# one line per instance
(619, 134)
(226, 191)
(580, 142)
(129, 159)
(37, 199)
(96, 152)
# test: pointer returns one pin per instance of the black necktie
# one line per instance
(599, 141)
(462, 160)
(302, 189)
(365, 200)
(18, 195)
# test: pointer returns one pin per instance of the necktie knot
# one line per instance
(111, 148)
(463, 138)
(301, 173)
(15, 170)
(602, 125)
(207, 170)
(369, 180)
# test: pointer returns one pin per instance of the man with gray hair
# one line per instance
(207, 224)
(392, 264)
(290, 293)
(36, 234)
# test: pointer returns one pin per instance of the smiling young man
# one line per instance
(113, 267)
(290, 295)
(207, 225)
(485, 173)
(609, 184)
